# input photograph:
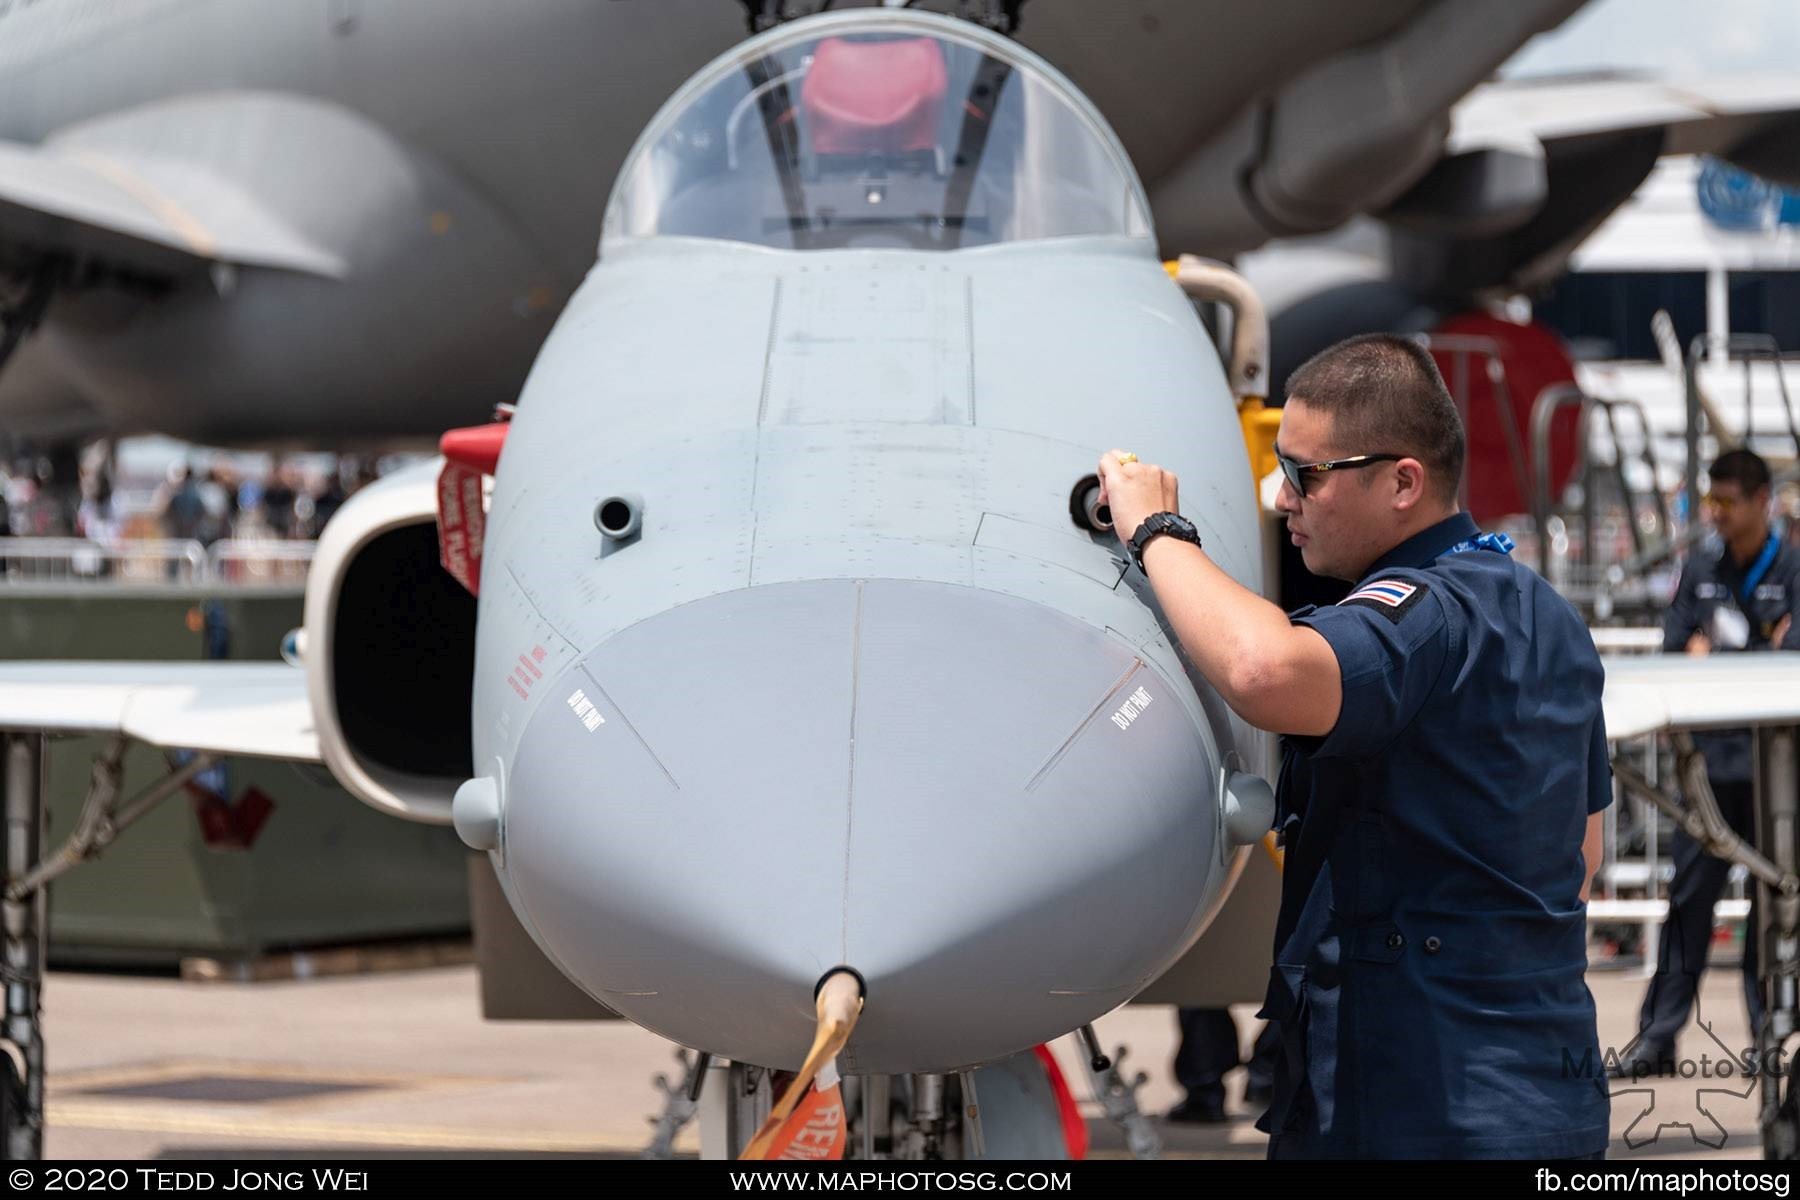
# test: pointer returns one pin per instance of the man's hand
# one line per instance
(1274, 674)
(1781, 631)
(1699, 645)
(1593, 850)
(1135, 490)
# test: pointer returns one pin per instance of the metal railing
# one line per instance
(1620, 541)
(78, 560)
(1636, 869)
(1631, 887)
(1747, 348)
(1551, 401)
(183, 562)
(259, 560)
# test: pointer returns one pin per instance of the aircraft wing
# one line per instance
(157, 216)
(1666, 691)
(1727, 116)
(253, 709)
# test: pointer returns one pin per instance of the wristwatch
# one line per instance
(1173, 524)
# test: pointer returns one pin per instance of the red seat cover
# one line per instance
(874, 97)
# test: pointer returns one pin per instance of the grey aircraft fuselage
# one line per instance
(858, 692)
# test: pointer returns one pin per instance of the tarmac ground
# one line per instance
(401, 1063)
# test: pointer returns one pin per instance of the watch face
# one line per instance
(1154, 524)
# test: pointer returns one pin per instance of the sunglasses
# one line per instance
(1720, 503)
(1298, 472)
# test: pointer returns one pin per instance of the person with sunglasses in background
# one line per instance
(1444, 765)
(1739, 593)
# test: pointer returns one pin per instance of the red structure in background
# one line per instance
(1533, 359)
(874, 97)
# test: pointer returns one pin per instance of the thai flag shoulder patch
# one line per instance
(1392, 598)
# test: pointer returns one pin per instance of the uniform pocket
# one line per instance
(1379, 942)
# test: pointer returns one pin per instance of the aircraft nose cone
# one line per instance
(998, 814)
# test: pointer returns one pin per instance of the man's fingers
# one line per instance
(1110, 466)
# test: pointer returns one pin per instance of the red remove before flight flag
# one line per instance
(476, 447)
(815, 1130)
(469, 456)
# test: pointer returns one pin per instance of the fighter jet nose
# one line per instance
(997, 814)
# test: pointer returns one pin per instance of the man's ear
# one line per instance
(1410, 480)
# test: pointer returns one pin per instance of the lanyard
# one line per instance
(1759, 568)
(1499, 543)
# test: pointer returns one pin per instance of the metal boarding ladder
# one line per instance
(1747, 348)
(1598, 585)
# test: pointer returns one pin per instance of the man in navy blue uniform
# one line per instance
(1444, 766)
(1739, 595)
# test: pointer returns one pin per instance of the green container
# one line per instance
(324, 869)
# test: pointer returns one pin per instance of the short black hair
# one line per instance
(1385, 396)
(1745, 468)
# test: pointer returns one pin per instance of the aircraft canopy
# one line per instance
(877, 130)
